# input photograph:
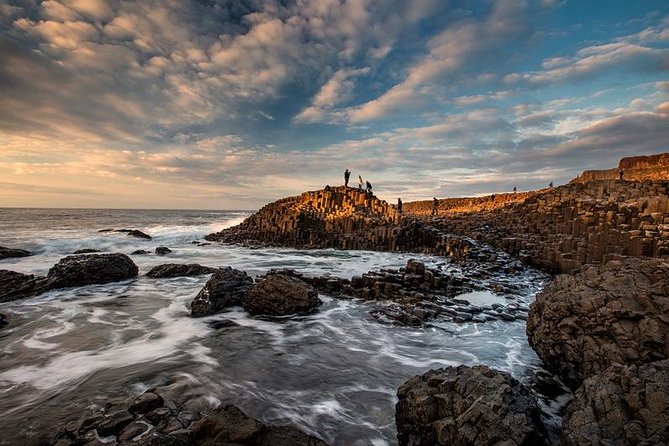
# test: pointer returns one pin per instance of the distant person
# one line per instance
(369, 187)
(550, 184)
(621, 172)
(347, 175)
(435, 205)
(360, 183)
(399, 205)
(514, 189)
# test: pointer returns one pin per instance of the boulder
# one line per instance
(179, 270)
(279, 295)
(146, 402)
(130, 232)
(225, 288)
(467, 405)
(163, 250)
(79, 270)
(8, 253)
(86, 251)
(623, 405)
(616, 313)
(286, 436)
(15, 285)
(140, 252)
(226, 424)
(3, 320)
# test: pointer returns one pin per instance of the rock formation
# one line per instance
(15, 285)
(8, 253)
(226, 288)
(620, 406)
(636, 168)
(616, 313)
(179, 270)
(466, 406)
(163, 250)
(3, 320)
(79, 270)
(280, 295)
(130, 232)
(86, 251)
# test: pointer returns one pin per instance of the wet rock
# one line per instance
(86, 251)
(158, 415)
(226, 424)
(621, 406)
(617, 313)
(114, 423)
(226, 287)
(133, 430)
(140, 252)
(179, 270)
(467, 405)
(163, 250)
(8, 253)
(415, 267)
(279, 294)
(146, 402)
(130, 232)
(15, 285)
(286, 436)
(79, 270)
(3, 320)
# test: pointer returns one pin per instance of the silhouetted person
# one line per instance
(399, 205)
(347, 175)
(369, 187)
(514, 189)
(435, 205)
(621, 172)
(360, 183)
(550, 184)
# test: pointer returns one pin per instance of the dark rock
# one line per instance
(415, 267)
(279, 294)
(140, 252)
(131, 431)
(130, 232)
(227, 424)
(617, 313)
(467, 405)
(114, 423)
(86, 251)
(286, 436)
(146, 402)
(621, 406)
(158, 415)
(3, 320)
(163, 250)
(179, 270)
(15, 285)
(79, 270)
(8, 253)
(226, 287)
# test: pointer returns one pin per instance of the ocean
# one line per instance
(333, 373)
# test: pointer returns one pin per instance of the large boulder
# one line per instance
(226, 288)
(85, 269)
(8, 253)
(179, 270)
(616, 313)
(279, 295)
(226, 424)
(621, 406)
(465, 406)
(15, 285)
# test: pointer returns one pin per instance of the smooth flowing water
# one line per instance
(333, 373)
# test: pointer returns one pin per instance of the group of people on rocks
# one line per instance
(347, 177)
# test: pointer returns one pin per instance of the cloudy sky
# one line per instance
(234, 103)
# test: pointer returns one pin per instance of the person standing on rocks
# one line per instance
(347, 175)
(399, 205)
(621, 172)
(360, 183)
(435, 205)
(369, 187)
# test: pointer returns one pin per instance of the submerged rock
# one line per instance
(226, 288)
(179, 270)
(140, 252)
(163, 250)
(15, 285)
(78, 270)
(130, 232)
(3, 320)
(622, 405)
(86, 251)
(616, 313)
(279, 295)
(8, 253)
(465, 406)
(226, 424)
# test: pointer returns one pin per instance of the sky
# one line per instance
(232, 104)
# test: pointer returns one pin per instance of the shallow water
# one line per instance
(334, 373)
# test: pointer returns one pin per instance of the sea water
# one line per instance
(333, 373)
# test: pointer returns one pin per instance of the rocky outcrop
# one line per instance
(226, 288)
(179, 270)
(86, 251)
(8, 253)
(621, 406)
(616, 313)
(151, 420)
(79, 270)
(634, 168)
(279, 295)
(466, 204)
(130, 232)
(163, 250)
(465, 406)
(15, 285)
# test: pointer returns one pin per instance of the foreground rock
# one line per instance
(179, 270)
(466, 406)
(621, 406)
(617, 313)
(8, 253)
(130, 232)
(226, 288)
(15, 285)
(79, 270)
(280, 295)
(151, 420)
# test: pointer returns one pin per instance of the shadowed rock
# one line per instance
(226, 424)
(163, 250)
(466, 406)
(621, 406)
(86, 251)
(226, 288)
(130, 232)
(15, 285)
(8, 253)
(3, 320)
(617, 313)
(179, 270)
(279, 295)
(79, 270)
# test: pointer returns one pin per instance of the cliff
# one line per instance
(637, 168)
